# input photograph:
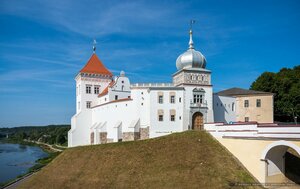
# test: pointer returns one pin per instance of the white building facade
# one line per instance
(110, 109)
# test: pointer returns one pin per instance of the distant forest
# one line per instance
(51, 134)
(286, 88)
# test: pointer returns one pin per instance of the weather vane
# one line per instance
(94, 45)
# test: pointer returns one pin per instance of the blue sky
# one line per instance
(43, 45)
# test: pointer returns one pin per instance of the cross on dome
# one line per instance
(191, 43)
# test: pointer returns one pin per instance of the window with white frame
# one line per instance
(258, 103)
(246, 103)
(160, 117)
(172, 99)
(96, 89)
(88, 89)
(160, 114)
(198, 96)
(172, 114)
(88, 104)
(172, 118)
(160, 99)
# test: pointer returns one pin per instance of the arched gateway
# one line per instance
(197, 121)
(278, 161)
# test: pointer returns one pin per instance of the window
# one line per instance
(217, 104)
(180, 99)
(88, 89)
(232, 107)
(160, 114)
(105, 99)
(172, 117)
(122, 87)
(122, 81)
(258, 103)
(246, 103)
(246, 119)
(116, 97)
(88, 104)
(172, 99)
(160, 99)
(198, 95)
(128, 96)
(96, 89)
(142, 93)
(198, 98)
(160, 117)
(179, 117)
(172, 114)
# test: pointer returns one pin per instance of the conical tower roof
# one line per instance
(95, 66)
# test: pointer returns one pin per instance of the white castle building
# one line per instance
(110, 109)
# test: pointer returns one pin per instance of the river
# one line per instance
(16, 159)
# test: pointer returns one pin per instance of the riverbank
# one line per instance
(51, 152)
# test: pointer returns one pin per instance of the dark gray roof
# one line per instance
(238, 91)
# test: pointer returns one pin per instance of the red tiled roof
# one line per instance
(95, 66)
(105, 91)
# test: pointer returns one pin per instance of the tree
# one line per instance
(286, 86)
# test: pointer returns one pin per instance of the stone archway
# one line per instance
(277, 158)
(197, 121)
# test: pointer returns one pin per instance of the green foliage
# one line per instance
(286, 86)
(43, 161)
(52, 134)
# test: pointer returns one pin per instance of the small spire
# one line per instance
(191, 43)
(94, 46)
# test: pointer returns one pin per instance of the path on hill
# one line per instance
(15, 184)
(51, 147)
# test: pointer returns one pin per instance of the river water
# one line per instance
(16, 159)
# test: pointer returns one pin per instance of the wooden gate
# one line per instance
(197, 121)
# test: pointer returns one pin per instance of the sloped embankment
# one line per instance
(183, 160)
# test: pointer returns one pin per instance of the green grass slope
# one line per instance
(183, 160)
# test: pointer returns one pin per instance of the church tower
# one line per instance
(191, 66)
(91, 80)
(196, 80)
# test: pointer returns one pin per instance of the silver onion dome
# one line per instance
(191, 58)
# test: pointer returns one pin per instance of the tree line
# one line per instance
(51, 134)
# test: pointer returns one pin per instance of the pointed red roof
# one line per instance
(95, 66)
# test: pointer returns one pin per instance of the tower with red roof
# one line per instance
(91, 80)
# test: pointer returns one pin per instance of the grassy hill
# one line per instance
(183, 160)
